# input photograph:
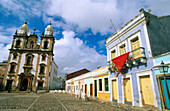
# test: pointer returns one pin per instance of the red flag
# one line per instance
(120, 61)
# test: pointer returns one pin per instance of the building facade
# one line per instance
(92, 84)
(2, 73)
(29, 64)
(88, 84)
(101, 83)
(163, 90)
(73, 83)
(138, 39)
(54, 80)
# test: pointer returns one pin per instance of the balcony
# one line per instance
(135, 58)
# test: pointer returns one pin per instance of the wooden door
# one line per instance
(127, 90)
(146, 90)
(135, 48)
(114, 89)
(95, 90)
(85, 88)
(165, 93)
(91, 89)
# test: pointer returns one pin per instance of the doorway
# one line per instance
(24, 85)
(40, 85)
(114, 90)
(85, 88)
(9, 84)
(146, 90)
(91, 89)
(166, 99)
(127, 91)
(95, 90)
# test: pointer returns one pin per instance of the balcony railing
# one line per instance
(135, 57)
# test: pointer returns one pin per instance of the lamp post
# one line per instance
(164, 69)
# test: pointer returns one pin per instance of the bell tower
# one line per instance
(47, 39)
(19, 38)
(46, 46)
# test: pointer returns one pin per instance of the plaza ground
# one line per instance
(59, 102)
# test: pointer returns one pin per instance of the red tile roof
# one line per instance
(75, 74)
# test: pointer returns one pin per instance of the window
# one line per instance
(42, 69)
(100, 84)
(12, 68)
(14, 56)
(45, 44)
(122, 49)
(106, 84)
(136, 52)
(135, 43)
(17, 44)
(28, 60)
(113, 54)
(32, 44)
(43, 57)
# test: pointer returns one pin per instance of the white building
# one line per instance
(30, 65)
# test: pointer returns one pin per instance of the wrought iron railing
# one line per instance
(135, 57)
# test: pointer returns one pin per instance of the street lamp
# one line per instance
(163, 68)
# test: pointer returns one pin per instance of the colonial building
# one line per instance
(74, 81)
(130, 52)
(163, 78)
(92, 84)
(2, 72)
(101, 83)
(30, 64)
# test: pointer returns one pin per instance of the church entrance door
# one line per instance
(24, 85)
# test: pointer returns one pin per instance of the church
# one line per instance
(30, 66)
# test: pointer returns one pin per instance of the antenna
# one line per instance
(113, 25)
(117, 34)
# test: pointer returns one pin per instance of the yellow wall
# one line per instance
(104, 95)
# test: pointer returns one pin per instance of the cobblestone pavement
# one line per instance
(55, 102)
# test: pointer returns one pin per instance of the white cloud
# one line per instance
(71, 54)
(96, 14)
(4, 51)
(6, 35)
(85, 14)
(23, 9)
(101, 43)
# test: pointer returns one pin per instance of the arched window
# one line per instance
(17, 43)
(32, 44)
(43, 57)
(28, 60)
(45, 44)
(42, 69)
(12, 68)
(15, 56)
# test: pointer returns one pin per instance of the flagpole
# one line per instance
(117, 34)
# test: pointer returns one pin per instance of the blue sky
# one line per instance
(80, 26)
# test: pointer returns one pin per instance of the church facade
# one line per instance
(30, 65)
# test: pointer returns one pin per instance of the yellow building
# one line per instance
(101, 83)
